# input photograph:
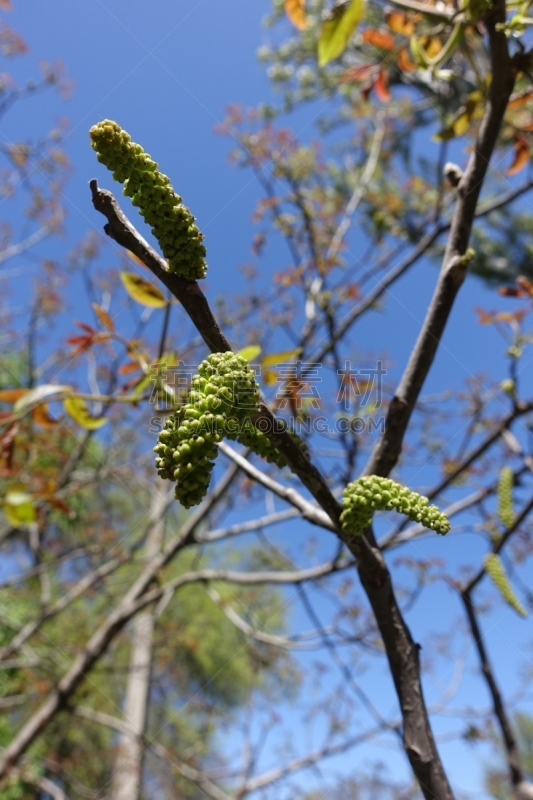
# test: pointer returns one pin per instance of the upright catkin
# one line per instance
(505, 496)
(150, 190)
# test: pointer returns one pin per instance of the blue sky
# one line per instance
(166, 71)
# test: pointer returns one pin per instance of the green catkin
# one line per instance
(496, 572)
(251, 437)
(371, 493)
(223, 395)
(150, 190)
(505, 496)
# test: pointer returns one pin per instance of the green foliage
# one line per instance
(371, 493)
(172, 223)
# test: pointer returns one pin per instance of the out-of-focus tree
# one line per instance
(146, 649)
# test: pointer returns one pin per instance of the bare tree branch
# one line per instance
(454, 264)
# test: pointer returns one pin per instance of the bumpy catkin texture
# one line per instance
(505, 496)
(496, 572)
(259, 443)
(172, 223)
(223, 395)
(371, 493)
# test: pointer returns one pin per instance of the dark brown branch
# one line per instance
(513, 758)
(195, 304)
(402, 651)
(454, 264)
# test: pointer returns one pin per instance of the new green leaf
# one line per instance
(337, 29)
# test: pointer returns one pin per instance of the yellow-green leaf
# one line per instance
(142, 291)
(251, 352)
(419, 54)
(76, 408)
(280, 358)
(337, 29)
(19, 509)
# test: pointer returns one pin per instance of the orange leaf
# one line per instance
(104, 317)
(85, 327)
(404, 62)
(484, 317)
(136, 259)
(6, 5)
(295, 10)
(401, 23)
(525, 284)
(381, 86)
(432, 45)
(59, 504)
(79, 344)
(510, 291)
(42, 417)
(129, 366)
(7, 445)
(521, 155)
(520, 98)
(12, 395)
(356, 74)
(378, 38)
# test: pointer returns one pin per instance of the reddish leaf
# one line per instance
(80, 344)
(521, 155)
(381, 86)
(12, 395)
(104, 317)
(136, 259)
(401, 23)
(59, 504)
(379, 39)
(129, 366)
(41, 416)
(525, 284)
(7, 445)
(484, 317)
(295, 10)
(356, 74)
(520, 98)
(85, 327)
(6, 5)
(510, 291)
(404, 62)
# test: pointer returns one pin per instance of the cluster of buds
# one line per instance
(223, 395)
(223, 398)
(505, 496)
(496, 572)
(371, 493)
(172, 223)
(259, 443)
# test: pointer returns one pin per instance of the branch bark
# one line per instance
(454, 264)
